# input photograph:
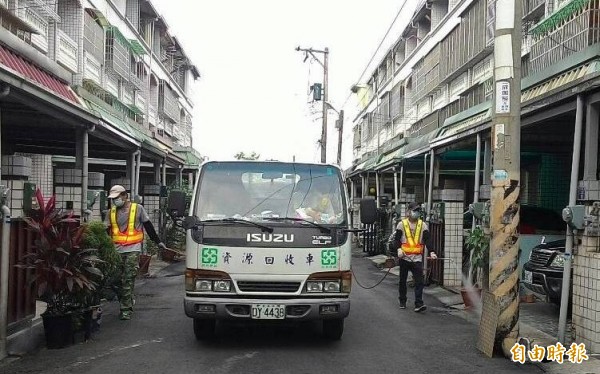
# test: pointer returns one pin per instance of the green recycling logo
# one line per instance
(209, 256)
(329, 258)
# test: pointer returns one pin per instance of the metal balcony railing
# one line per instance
(569, 30)
(66, 51)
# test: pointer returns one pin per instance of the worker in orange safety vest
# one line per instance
(409, 242)
(126, 222)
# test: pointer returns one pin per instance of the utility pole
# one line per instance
(325, 66)
(340, 127)
(505, 176)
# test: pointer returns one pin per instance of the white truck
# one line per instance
(267, 240)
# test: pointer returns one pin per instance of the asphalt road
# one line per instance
(378, 338)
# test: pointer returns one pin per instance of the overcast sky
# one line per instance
(254, 91)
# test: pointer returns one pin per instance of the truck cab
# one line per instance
(267, 241)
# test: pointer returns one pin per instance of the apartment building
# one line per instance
(94, 81)
(424, 114)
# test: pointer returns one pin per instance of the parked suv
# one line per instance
(543, 273)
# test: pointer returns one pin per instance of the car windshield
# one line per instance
(261, 191)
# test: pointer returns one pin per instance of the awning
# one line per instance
(419, 145)
(366, 165)
(17, 64)
(393, 157)
(463, 124)
(98, 17)
(191, 157)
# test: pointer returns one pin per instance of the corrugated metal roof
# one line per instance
(12, 61)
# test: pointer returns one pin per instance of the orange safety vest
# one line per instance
(412, 246)
(130, 235)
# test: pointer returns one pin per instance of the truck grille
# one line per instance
(245, 286)
(540, 257)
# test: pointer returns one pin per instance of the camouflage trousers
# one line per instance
(128, 271)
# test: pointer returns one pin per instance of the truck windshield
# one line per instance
(260, 191)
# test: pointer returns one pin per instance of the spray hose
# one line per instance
(388, 272)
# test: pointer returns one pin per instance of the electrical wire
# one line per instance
(377, 50)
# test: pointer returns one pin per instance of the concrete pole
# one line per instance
(84, 173)
(487, 161)
(506, 148)
(180, 176)
(566, 281)
(432, 172)
(325, 101)
(395, 187)
(377, 189)
(164, 172)
(157, 172)
(590, 171)
(477, 174)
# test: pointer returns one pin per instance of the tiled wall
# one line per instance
(67, 188)
(41, 173)
(16, 171)
(453, 200)
(125, 182)
(71, 15)
(586, 299)
(152, 202)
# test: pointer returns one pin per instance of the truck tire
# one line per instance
(204, 329)
(333, 328)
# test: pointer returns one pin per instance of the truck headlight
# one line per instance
(203, 285)
(222, 286)
(314, 286)
(331, 286)
(558, 261)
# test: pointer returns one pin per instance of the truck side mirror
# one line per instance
(176, 204)
(368, 211)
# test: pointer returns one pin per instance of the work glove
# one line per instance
(162, 246)
(400, 253)
(433, 255)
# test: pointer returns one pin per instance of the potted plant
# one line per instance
(149, 249)
(65, 273)
(477, 245)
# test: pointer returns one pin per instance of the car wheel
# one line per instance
(204, 329)
(333, 329)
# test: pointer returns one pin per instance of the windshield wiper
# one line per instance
(295, 219)
(237, 220)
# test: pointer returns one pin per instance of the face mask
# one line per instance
(118, 202)
(415, 215)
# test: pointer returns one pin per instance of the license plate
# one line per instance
(267, 311)
(527, 277)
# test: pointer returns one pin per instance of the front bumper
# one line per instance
(548, 283)
(239, 309)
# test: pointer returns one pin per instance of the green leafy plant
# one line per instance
(96, 236)
(478, 244)
(65, 272)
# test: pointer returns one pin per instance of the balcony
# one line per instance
(167, 102)
(66, 51)
(569, 30)
(38, 22)
(92, 70)
(152, 115)
(533, 9)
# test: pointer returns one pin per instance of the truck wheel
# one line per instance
(333, 328)
(204, 329)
